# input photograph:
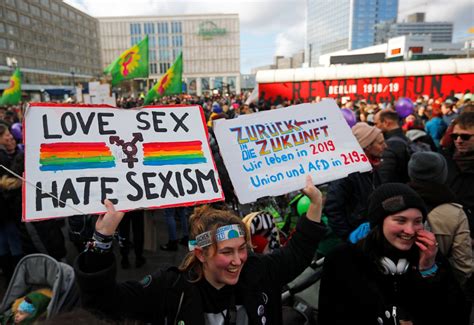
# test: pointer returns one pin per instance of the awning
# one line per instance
(58, 91)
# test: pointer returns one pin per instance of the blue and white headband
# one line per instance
(27, 307)
(222, 233)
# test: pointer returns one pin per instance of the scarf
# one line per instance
(465, 162)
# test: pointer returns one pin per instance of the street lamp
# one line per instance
(73, 81)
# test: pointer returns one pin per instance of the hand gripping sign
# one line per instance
(77, 156)
(270, 153)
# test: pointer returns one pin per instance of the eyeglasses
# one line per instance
(464, 136)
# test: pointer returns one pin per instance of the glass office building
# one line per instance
(210, 45)
(344, 24)
(54, 45)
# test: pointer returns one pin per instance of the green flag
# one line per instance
(132, 63)
(12, 94)
(169, 84)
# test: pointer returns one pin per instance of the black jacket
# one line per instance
(462, 184)
(347, 201)
(394, 166)
(168, 297)
(353, 291)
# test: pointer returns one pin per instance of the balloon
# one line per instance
(303, 205)
(404, 107)
(349, 116)
(17, 132)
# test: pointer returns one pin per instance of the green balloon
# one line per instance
(303, 205)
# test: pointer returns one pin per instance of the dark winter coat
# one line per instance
(462, 184)
(347, 201)
(353, 291)
(394, 166)
(168, 297)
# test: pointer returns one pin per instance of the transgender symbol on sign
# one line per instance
(129, 148)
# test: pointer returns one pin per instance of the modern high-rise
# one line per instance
(210, 44)
(344, 24)
(440, 32)
(54, 45)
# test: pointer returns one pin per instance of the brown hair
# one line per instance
(3, 128)
(388, 114)
(466, 120)
(205, 218)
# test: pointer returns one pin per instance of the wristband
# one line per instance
(99, 243)
(430, 272)
(102, 238)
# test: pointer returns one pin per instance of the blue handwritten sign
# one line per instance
(270, 153)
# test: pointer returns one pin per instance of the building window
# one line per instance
(152, 55)
(176, 53)
(205, 83)
(54, 7)
(135, 29)
(153, 69)
(152, 41)
(11, 15)
(218, 82)
(46, 15)
(149, 28)
(177, 41)
(231, 83)
(163, 28)
(135, 39)
(176, 27)
(164, 67)
(164, 55)
(25, 20)
(3, 43)
(2, 27)
(23, 6)
(35, 11)
(163, 41)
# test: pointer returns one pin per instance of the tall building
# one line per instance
(54, 45)
(344, 24)
(210, 44)
(440, 32)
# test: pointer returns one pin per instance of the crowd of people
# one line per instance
(401, 234)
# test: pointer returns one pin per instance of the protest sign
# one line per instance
(137, 158)
(270, 153)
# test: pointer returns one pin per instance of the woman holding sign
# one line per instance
(392, 276)
(218, 282)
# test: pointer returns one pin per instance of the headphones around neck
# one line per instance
(388, 266)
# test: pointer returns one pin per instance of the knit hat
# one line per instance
(428, 167)
(365, 134)
(391, 198)
(415, 134)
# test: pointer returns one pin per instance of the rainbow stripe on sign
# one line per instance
(173, 153)
(75, 155)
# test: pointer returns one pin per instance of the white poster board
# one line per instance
(138, 158)
(270, 153)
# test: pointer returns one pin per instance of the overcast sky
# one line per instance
(272, 27)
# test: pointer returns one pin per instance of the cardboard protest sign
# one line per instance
(270, 153)
(137, 158)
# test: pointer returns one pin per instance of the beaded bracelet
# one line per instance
(430, 272)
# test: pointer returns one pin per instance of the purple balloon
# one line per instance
(404, 107)
(16, 131)
(349, 116)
